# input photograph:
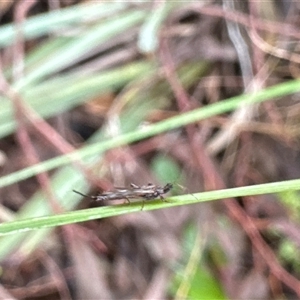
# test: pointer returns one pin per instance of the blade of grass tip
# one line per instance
(148, 37)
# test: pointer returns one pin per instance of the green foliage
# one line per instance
(291, 200)
(166, 169)
(192, 279)
(288, 251)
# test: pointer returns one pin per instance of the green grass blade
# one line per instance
(160, 127)
(68, 91)
(109, 211)
(42, 24)
(77, 48)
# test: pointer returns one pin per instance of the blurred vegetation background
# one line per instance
(150, 92)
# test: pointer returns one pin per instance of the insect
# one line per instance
(146, 192)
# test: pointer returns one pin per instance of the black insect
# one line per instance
(146, 192)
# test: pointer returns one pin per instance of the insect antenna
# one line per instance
(185, 189)
(84, 195)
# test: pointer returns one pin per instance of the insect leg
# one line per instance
(127, 200)
(96, 198)
(81, 194)
(143, 204)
